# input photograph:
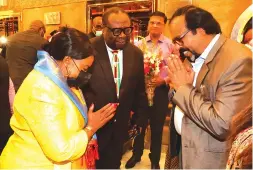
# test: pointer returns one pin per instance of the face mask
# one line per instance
(81, 80)
(98, 33)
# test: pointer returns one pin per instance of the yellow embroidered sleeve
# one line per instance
(47, 118)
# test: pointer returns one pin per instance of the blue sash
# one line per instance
(47, 66)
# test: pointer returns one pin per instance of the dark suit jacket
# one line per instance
(21, 54)
(91, 35)
(223, 88)
(101, 90)
(5, 130)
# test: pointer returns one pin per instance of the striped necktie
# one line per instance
(116, 71)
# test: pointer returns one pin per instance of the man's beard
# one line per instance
(189, 54)
(113, 45)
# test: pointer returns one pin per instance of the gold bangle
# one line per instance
(89, 129)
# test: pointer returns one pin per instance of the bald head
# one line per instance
(113, 10)
(97, 21)
(38, 26)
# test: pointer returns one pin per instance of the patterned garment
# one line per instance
(171, 163)
(241, 142)
(116, 71)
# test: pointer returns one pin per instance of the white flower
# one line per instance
(152, 61)
(149, 54)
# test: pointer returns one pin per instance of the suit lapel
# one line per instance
(205, 69)
(128, 58)
(104, 61)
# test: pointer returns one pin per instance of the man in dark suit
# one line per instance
(104, 85)
(5, 129)
(208, 91)
(21, 51)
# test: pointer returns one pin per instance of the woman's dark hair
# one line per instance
(160, 14)
(198, 18)
(69, 42)
(240, 122)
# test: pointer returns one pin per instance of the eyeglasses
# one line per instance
(118, 31)
(156, 23)
(178, 40)
(85, 69)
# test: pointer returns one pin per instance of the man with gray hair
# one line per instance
(21, 51)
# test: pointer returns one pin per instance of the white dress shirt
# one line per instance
(196, 66)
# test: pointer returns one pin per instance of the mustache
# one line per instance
(122, 38)
(189, 54)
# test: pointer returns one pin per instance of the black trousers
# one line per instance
(157, 114)
(110, 156)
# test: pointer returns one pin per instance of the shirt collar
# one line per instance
(209, 47)
(161, 38)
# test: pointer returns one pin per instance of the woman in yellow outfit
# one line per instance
(52, 128)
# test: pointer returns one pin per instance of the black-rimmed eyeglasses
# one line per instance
(118, 31)
(178, 39)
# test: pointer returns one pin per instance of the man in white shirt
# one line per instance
(218, 85)
(155, 41)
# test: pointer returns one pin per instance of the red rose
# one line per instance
(146, 70)
(160, 65)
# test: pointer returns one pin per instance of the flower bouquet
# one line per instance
(152, 65)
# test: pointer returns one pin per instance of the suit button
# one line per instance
(115, 120)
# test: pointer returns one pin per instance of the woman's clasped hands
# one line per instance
(97, 119)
